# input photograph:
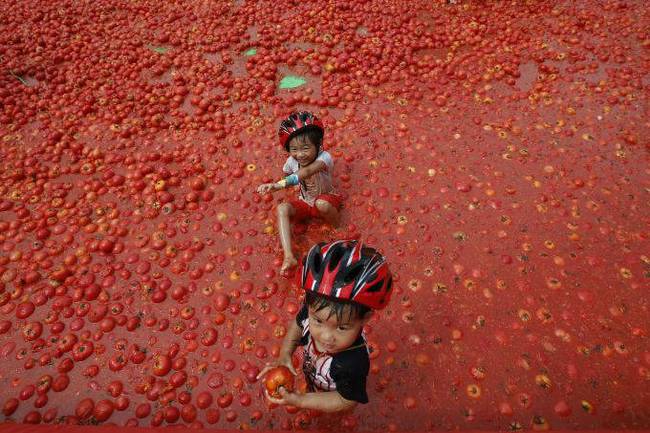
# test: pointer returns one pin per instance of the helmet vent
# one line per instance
(316, 263)
(375, 287)
(335, 257)
(353, 273)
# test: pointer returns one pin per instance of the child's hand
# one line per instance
(265, 188)
(286, 397)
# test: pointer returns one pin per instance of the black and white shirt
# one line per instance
(344, 372)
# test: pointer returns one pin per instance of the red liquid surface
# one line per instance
(495, 152)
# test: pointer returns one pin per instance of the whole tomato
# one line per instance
(188, 412)
(5, 326)
(24, 310)
(204, 400)
(221, 301)
(137, 355)
(60, 383)
(82, 350)
(115, 388)
(44, 384)
(27, 392)
(66, 343)
(103, 410)
(32, 417)
(172, 414)
(212, 415)
(224, 400)
(122, 402)
(117, 362)
(97, 313)
(143, 410)
(10, 406)
(209, 336)
(65, 365)
(85, 408)
(32, 331)
(178, 378)
(278, 377)
(161, 365)
(50, 415)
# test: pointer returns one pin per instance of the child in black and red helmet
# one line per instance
(308, 165)
(344, 282)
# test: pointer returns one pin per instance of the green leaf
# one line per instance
(159, 50)
(291, 81)
(250, 52)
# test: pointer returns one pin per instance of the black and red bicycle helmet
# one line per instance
(348, 271)
(296, 123)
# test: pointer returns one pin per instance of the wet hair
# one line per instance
(351, 310)
(313, 134)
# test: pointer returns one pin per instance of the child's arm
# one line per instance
(311, 169)
(289, 344)
(266, 188)
(303, 173)
(330, 401)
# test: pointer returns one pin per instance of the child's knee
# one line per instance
(323, 206)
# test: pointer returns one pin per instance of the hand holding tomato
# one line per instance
(282, 361)
(284, 397)
(278, 378)
(279, 383)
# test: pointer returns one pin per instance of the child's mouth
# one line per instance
(327, 347)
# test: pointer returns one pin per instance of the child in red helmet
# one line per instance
(344, 282)
(309, 166)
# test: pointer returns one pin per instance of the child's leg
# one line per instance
(328, 212)
(285, 212)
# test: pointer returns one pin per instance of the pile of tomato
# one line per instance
(495, 151)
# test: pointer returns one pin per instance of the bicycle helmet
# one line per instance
(348, 271)
(296, 123)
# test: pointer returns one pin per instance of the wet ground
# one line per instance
(495, 152)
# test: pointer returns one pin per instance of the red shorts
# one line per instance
(303, 210)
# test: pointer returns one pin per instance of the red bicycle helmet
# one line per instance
(348, 271)
(298, 122)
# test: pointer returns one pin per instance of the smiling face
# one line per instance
(332, 334)
(303, 149)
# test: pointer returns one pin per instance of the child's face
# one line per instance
(329, 334)
(303, 150)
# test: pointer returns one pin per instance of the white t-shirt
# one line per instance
(319, 183)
